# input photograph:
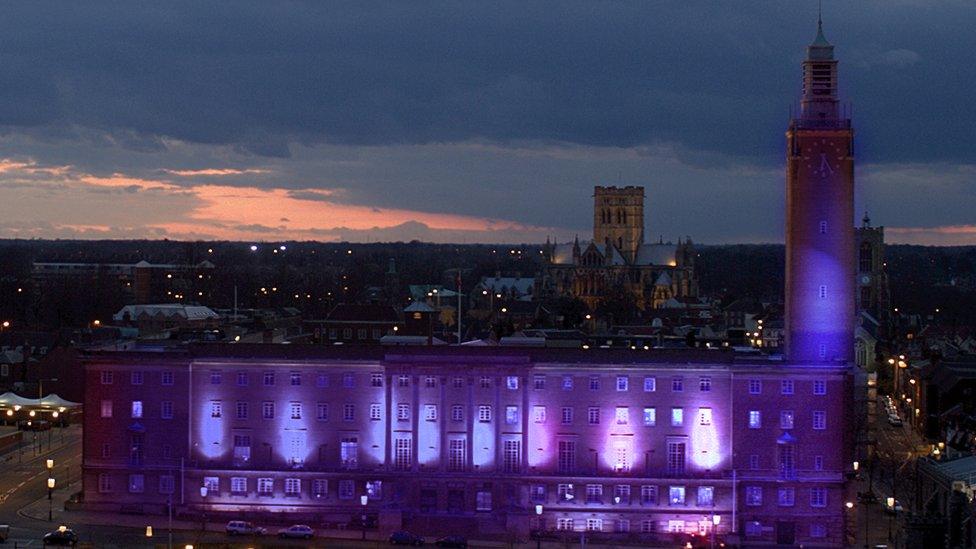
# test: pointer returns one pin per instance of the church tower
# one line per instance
(618, 216)
(819, 217)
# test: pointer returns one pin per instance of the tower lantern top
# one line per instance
(820, 49)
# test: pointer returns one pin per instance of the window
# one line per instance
(321, 380)
(137, 484)
(136, 378)
(622, 383)
(537, 493)
(457, 413)
(539, 414)
(104, 483)
(348, 412)
(565, 492)
(374, 489)
(137, 408)
(456, 455)
(349, 452)
(755, 386)
(242, 449)
(650, 384)
(786, 497)
(567, 383)
(622, 526)
(458, 382)
(818, 497)
(403, 412)
(676, 495)
(621, 454)
(594, 383)
(676, 526)
(753, 529)
(753, 461)
(403, 381)
(106, 378)
(241, 410)
(648, 495)
(650, 417)
(787, 461)
(823, 227)
(167, 451)
(648, 527)
(166, 378)
(594, 525)
(538, 382)
(267, 409)
(511, 415)
(430, 382)
(819, 420)
(166, 484)
(242, 379)
(753, 496)
(512, 456)
(676, 457)
(677, 417)
(621, 415)
(347, 489)
(269, 379)
(823, 351)
(265, 486)
(106, 408)
(348, 380)
(755, 419)
(567, 456)
(565, 524)
(512, 382)
(706, 496)
(430, 412)
(786, 387)
(677, 384)
(705, 384)
(166, 409)
(485, 382)
(594, 493)
(215, 377)
(621, 493)
(823, 291)
(375, 380)
(212, 484)
(322, 411)
(593, 415)
(786, 419)
(567, 416)
(818, 462)
(295, 378)
(375, 412)
(403, 454)
(320, 488)
(704, 416)
(238, 485)
(484, 413)
(819, 387)
(216, 408)
(483, 501)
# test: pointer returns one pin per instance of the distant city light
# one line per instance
(254, 248)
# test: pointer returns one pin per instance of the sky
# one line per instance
(463, 121)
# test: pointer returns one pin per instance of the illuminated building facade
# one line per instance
(628, 444)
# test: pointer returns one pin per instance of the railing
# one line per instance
(821, 123)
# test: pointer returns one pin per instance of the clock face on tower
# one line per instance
(866, 279)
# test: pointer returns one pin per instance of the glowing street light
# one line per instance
(50, 464)
(148, 531)
(363, 500)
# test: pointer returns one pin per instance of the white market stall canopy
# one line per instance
(9, 400)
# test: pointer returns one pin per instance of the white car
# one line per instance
(894, 419)
(297, 531)
(244, 528)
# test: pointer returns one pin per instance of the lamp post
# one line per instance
(538, 528)
(50, 500)
(716, 519)
(363, 500)
(891, 507)
(203, 497)
(148, 531)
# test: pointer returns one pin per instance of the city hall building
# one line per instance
(641, 444)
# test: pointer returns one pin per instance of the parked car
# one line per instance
(894, 420)
(242, 527)
(297, 531)
(61, 536)
(894, 509)
(403, 537)
(458, 542)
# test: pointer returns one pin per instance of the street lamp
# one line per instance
(716, 519)
(538, 529)
(363, 500)
(891, 508)
(148, 531)
(203, 497)
(50, 502)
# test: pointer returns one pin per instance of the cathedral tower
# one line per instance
(819, 217)
(618, 215)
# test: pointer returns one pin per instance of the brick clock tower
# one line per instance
(820, 217)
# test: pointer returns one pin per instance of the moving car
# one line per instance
(242, 527)
(458, 542)
(61, 536)
(297, 531)
(403, 537)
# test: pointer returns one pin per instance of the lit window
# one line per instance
(819, 420)
(430, 412)
(512, 382)
(677, 384)
(511, 415)
(593, 415)
(320, 488)
(539, 414)
(564, 492)
(706, 496)
(137, 408)
(238, 485)
(621, 415)
(705, 384)
(565, 524)
(622, 383)
(265, 486)
(403, 412)
(786, 419)
(704, 416)
(106, 408)
(755, 419)
(650, 384)
(786, 387)
(650, 417)
(594, 525)
(753, 496)
(621, 493)
(567, 383)
(676, 495)
(483, 501)
(677, 417)
(293, 487)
